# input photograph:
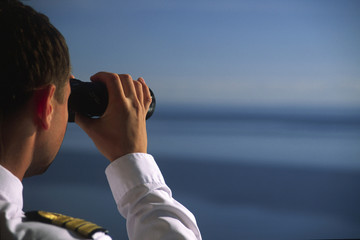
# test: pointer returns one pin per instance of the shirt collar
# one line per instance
(11, 188)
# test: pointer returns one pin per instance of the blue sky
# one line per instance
(243, 53)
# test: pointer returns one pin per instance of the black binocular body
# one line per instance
(91, 99)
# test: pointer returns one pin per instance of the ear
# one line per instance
(44, 105)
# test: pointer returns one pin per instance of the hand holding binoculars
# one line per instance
(91, 99)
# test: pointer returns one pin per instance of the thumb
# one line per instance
(84, 122)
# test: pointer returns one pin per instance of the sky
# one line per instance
(242, 53)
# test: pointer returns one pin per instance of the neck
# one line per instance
(18, 141)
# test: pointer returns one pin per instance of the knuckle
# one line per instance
(125, 76)
(137, 84)
(110, 77)
(113, 77)
(136, 107)
(148, 98)
(147, 101)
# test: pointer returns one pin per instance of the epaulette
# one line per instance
(80, 226)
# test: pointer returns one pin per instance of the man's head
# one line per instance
(34, 67)
(33, 54)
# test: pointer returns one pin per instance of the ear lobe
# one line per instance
(44, 105)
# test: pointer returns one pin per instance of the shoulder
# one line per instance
(36, 230)
(13, 226)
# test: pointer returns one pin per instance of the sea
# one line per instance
(244, 172)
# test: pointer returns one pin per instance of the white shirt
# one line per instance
(139, 190)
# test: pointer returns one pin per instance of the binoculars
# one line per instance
(91, 99)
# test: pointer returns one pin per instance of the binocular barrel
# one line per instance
(91, 99)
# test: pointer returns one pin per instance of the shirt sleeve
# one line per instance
(144, 199)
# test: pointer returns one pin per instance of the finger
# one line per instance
(146, 94)
(128, 85)
(139, 92)
(84, 123)
(112, 82)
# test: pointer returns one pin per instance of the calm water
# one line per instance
(244, 173)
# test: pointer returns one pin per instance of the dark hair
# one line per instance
(33, 54)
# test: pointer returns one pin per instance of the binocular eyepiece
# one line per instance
(91, 99)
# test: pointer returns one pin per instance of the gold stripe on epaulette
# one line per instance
(84, 228)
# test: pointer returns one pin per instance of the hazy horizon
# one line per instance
(246, 53)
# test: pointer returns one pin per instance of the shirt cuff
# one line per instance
(131, 170)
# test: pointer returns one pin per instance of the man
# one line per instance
(35, 73)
